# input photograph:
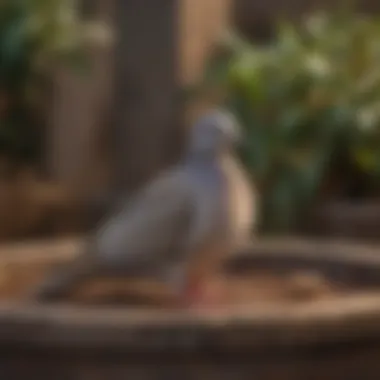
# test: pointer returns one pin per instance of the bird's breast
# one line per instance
(240, 199)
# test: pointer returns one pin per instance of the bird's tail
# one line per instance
(59, 284)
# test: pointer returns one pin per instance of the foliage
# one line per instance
(35, 35)
(310, 105)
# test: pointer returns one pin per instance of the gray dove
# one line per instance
(181, 226)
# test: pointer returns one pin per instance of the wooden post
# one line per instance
(159, 47)
(202, 24)
(146, 130)
(77, 111)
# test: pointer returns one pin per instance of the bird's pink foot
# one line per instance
(202, 294)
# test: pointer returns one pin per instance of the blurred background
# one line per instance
(96, 96)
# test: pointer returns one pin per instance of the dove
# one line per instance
(181, 226)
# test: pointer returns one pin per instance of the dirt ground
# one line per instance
(16, 280)
(24, 267)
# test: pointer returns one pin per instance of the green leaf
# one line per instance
(306, 100)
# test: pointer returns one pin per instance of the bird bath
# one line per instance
(280, 322)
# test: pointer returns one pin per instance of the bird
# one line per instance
(181, 226)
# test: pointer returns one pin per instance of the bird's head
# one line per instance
(215, 132)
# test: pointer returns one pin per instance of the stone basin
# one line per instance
(295, 309)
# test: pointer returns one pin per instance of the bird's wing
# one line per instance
(148, 227)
